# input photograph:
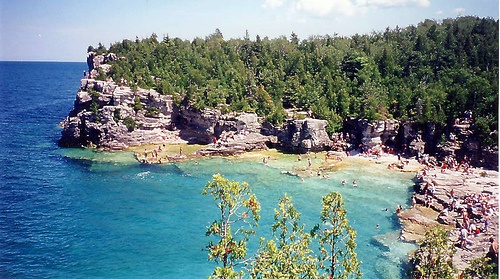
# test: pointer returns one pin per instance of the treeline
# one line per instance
(433, 72)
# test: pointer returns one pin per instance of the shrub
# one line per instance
(137, 104)
(152, 111)
(130, 123)
(116, 115)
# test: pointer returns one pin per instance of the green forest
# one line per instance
(434, 72)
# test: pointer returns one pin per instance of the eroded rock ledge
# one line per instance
(113, 116)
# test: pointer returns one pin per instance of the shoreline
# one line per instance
(455, 199)
(415, 220)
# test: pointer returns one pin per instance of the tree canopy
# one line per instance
(433, 72)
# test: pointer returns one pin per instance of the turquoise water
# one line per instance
(81, 214)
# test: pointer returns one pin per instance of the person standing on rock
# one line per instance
(463, 237)
(492, 254)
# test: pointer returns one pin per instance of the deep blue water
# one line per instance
(70, 213)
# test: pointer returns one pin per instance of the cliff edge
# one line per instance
(114, 115)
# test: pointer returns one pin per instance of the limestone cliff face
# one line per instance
(110, 115)
(114, 117)
(304, 135)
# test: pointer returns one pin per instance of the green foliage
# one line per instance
(130, 123)
(336, 240)
(434, 257)
(237, 205)
(94, 108)
(137, 104)
(432, 72)
(481, 268)
(101, 75)
(94, 94)
(116, 115)
(288, 255)
(484, 127)
(152, 111)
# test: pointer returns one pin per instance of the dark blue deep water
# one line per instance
(71, 213)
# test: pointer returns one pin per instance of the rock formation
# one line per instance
(113, 116)
(304, 135)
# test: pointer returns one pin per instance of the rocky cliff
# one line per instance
(410, 138)
(114, 117)
(111, 115)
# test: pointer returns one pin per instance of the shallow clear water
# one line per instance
(78, 213)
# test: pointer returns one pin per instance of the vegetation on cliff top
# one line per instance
(433, 72)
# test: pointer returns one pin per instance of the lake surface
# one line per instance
(83, 214)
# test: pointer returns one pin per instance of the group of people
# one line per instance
(474, 211)
(451, 162)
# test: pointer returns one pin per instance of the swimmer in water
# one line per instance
(343, 182)
(355, 183)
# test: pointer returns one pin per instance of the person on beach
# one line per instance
(463, 237)
(492, 254)
(444, 212)
(452, 193)
(486, 224)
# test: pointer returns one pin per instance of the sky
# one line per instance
(50, 30)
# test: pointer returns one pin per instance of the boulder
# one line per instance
(305, 135)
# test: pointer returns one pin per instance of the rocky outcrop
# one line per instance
(95, 61)
(114, 117)
(473, 191)
(410, 139)
(237, 144)
(304, 135)
(371, 134)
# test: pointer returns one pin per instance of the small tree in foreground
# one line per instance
(236, 204)
(288, 255)
(336, 240)
(481, 268)
(434, 258)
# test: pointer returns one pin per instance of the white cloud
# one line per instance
(325, 7)
(272, 4)
(440, 12)
(458, 11)
(395, 3)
